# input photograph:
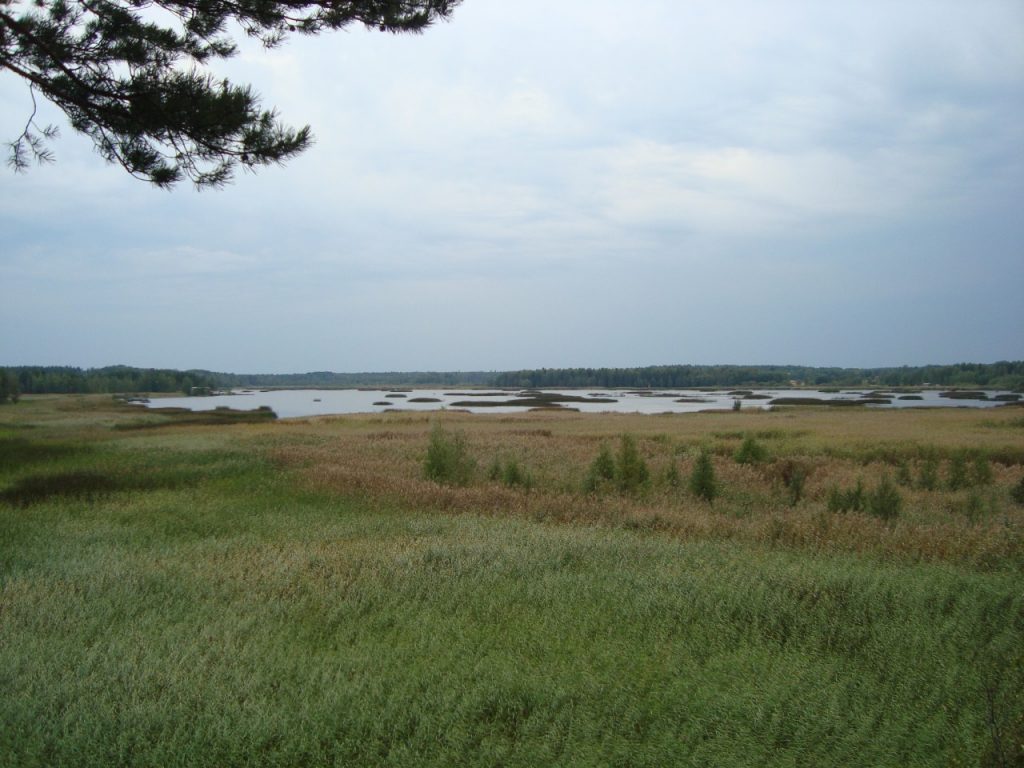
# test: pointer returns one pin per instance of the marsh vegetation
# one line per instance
(545, 588)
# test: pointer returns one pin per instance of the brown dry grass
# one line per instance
(380, 456)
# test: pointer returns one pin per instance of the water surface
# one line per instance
(292, 403)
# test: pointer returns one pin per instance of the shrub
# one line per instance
(630, 469)
(928, 473)
(601, 472)
(1017, 492)
(448, 461)
(671, 476)
(981, 470)
(957, 477)
(494, 471)
(835, 499)
(750, 452)
(513, 474)
(974, 506)
(903, 474)
(885, 501)
(627, 469)
(852, 500)
(794, 476)
(702, 479)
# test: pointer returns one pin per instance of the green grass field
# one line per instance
(296, 593)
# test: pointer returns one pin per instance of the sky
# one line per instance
(579, 183)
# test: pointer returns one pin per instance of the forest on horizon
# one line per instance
(18, 380)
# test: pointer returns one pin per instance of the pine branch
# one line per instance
(118, 76)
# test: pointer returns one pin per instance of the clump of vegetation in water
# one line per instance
(965, 394)
(839, 403)
(155, 418)
(448, 461)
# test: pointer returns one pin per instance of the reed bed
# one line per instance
(382, 456)
(298, 593)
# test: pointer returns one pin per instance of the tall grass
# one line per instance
(279, 594)
(447, 459)
(573, 475)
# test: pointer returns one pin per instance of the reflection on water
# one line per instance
(318, 402)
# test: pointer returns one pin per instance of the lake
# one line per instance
(293, 403)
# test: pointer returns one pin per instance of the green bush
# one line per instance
(885, 501)
(630, 468)
(794, 476)
(1017, 492)
(957, 477)
(974, 506)
(981, 470)
(903, 474)
(513, 474)
(494, 471)
(835, 500)
(448, 461)
(750, 452)
(853, 500)
(626, 471)
(928, 473)
(671, 476)
(601, 471)
(702, 479)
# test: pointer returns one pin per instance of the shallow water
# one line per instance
(292, 403)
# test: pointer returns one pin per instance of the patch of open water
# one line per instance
(294, 403)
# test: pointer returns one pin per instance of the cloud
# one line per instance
(581, 182)
(745, 191)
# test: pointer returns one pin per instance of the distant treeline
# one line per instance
(348, 380)
(1001, 375)
(40, 380)
(121, 378)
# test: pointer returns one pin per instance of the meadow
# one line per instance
(453, 589)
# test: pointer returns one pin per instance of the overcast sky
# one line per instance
(563, 183)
